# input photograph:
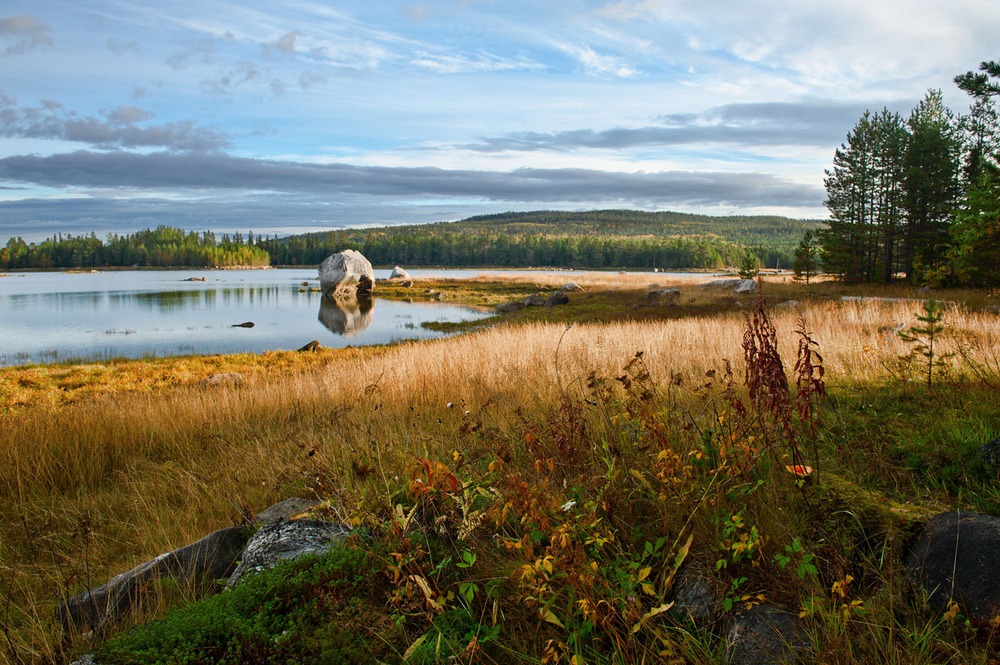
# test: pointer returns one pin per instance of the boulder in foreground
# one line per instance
(955, 559)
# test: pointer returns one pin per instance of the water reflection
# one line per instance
(346, 315)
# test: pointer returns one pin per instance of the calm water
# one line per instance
(53, 316)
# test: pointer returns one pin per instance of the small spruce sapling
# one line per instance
(923, 337)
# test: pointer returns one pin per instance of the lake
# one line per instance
(58, 316)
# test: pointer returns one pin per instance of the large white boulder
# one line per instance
(399, 273)
(345, 272)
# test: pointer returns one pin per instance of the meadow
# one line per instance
(533, 490)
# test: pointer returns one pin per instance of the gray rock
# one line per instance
(664, 293)
(346, 272)
(284, 510)
(85, 659)
(285, 541)
(955, 558)
(198, 564)
(789, 303)
(696, 597)
(399, 273)
(557, 298)
(311, 346)
(766, 634)
(737, 285)
(534, 301)
(570, 287)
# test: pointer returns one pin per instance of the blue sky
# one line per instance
(282, 117)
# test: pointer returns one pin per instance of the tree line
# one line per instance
(160, 247)
(917, 198)
(609, 239)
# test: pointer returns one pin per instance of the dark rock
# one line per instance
(557, 298)
(198, 565)
(406, 283)
(510, 307)
(195, 279)
(990, 454)
(245, 324)
(955, 558)
(312, 346)
(766, 634)
(285, 510)
(696, 597)
(285, 541)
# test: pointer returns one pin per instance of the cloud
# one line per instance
(118, 128)
(201, 52)
(190, 172)
(26, 32)
(455, 63)
(121, 46)
(598, 64)
(241, 74)
(814, 123)
(285, 44)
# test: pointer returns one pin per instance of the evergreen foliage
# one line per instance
(807, 256)
(921, 198)
(594, 239)
(160, 247)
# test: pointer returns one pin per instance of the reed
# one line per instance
(144, 459)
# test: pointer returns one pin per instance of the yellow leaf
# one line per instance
(549, 616)
(644, 572)
(413, 647)
(648, 589)
(649, 615)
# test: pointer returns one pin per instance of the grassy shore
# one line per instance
(571, 459)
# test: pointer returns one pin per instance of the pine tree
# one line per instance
(807, 257)
(864, 191)
(930, 189)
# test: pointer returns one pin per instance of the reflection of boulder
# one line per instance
(346, 315)
(346, 272)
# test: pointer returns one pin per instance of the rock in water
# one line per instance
(346, 272)
(399, 273)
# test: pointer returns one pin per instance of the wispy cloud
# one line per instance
(24, 33)
(814, 123)
(120, 127)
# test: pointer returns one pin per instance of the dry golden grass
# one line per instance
(115, 463)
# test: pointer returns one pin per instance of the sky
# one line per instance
(286, 117)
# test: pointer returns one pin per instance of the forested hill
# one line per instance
(598, 239)
(594, 239)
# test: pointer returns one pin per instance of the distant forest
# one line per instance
(597, 239)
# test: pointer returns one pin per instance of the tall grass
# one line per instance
(94, 487)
